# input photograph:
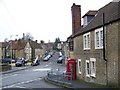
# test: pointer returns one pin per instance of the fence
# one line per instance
(59, 77)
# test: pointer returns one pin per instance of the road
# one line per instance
(33, 76)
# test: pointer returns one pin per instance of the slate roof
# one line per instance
(35, 45)
(4, 44)
(91, 13)
(19, 44)
(111, 12)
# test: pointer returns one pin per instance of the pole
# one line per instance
(12, 45)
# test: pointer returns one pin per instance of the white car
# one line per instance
(60, 54)
(47, 58)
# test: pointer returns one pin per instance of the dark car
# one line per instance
(7, 60)
(60, 59)
(20, 63)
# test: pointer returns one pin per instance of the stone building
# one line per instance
(96, 44)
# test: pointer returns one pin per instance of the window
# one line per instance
(93, 66)
(71, 45)
(79, 66)
(86, 41)
(87, 68)
(85, 21)
(99, 38)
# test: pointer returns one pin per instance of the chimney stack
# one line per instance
(76, 18)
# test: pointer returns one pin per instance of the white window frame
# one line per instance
(79, 66)
(87, 69)
(86, 41)
(99, 41)
(93, 67)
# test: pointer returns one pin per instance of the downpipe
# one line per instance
(104, 47)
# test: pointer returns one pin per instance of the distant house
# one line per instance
(18, 48)
(3, 49)
(32, 50)
(96, 45)
(66, 49)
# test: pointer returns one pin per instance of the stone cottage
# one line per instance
(96, 45)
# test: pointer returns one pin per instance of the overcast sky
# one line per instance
(44, 19)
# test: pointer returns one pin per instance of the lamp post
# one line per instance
(12, 45)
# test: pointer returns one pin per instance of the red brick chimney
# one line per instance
(76, 18)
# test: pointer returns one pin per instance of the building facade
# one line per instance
(96, 46)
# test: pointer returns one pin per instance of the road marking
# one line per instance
(9, 76)
(20, 87)
(29, 81)
(46, 65)
(42, 69)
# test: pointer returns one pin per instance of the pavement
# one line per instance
(14, 69)
(75, 84)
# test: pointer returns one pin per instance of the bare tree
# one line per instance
(28, 36)
(6, 40)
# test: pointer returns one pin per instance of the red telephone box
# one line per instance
(71, 69)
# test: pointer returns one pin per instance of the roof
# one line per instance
(4, 44)
(19, 44)
(91, 13)
(111, 12)
(35, 45)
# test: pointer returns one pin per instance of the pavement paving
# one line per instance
(74, 84)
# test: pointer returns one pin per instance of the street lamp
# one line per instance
(11, 45)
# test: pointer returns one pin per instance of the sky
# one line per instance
(43, 19)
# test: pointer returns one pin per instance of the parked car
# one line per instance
(60, 59)
(35, 62)
(13, 61)
(47, 58)
(60, 54)
(20, 62)
(7, 60)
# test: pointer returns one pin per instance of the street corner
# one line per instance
(58, 83)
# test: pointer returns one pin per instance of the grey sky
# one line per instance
(44, 19)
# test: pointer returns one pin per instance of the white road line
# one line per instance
(42, 69)
(46, 65)
(9, 76)
(29, 81)
(20, 86)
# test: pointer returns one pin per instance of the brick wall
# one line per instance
(76, 18)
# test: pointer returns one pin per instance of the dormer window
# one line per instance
(88, 17)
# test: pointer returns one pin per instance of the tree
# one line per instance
(57, 40)
(28, 36)
(6, 40)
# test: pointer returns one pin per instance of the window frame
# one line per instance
(99, 43)
(79, 66)
(93, 67)
(86, 41)
(87, 69)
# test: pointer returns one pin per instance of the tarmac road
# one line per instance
(31, 77)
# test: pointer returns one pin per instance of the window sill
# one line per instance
(93, 76)
(80, 73)
(98, 47)
(86, 49)
(88, 76)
